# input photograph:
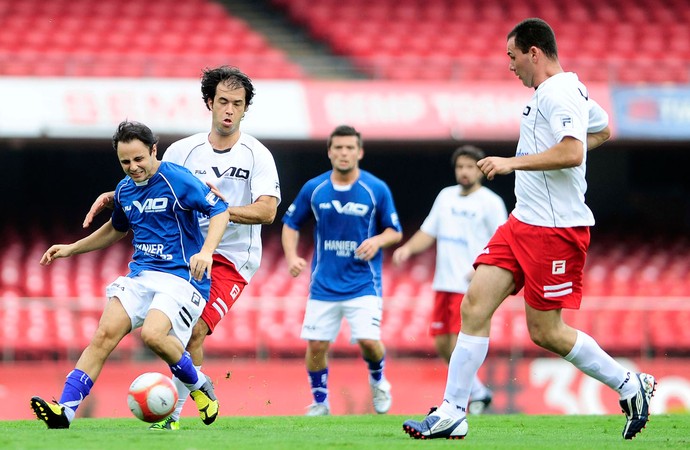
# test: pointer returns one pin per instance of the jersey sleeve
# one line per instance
(566, 106)
(388, 215)
(299, 211)
(193, 194)
(265, 177)
(118, 217)
(598, 117)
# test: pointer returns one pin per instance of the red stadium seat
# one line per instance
(77, 36)
(586, 32)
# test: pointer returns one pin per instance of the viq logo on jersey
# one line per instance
(350, 208)
(151, 205)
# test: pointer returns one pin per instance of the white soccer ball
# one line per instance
(152, 397)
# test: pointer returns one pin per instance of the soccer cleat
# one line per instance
(318, 409)
(480, 405)
(636, 408)
(53, 414)
(206, 402)
(437, 425)
(166, 424)
(381, 396)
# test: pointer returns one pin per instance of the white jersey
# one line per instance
(560, 107)
(462, 225)
(242, 175)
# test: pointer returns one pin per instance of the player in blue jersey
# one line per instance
(355, 219)
(167, 286)
(244, 172)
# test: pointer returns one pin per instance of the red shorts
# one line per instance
(445, 318)
(548, 262)
(226, 286)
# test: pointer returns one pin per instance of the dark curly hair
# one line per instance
(232, 77)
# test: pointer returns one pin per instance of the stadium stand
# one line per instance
(438, 39)
(388, 39)
(131, 38)
(631, 283)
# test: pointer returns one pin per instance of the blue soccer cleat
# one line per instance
(437, 425)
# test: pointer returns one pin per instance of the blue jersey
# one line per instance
(344, 218)
(162, 213)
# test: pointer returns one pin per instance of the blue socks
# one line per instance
(185, 371)
(319, 385)
(77, 387)
(376, 369)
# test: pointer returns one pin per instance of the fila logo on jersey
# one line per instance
(349, 208)
(558, 267)
(151, 205)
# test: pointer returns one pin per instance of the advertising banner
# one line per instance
(654, 112)
(381, 110)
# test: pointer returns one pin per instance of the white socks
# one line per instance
(183, 392)
(467, 357)
(587, 356)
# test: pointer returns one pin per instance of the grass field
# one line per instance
(345, 432)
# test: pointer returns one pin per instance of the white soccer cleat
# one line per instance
(437, 425)
(318, 409)
(381, 396)
(480, 405)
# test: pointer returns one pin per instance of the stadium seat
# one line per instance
(267, 319)
(586, 32)
(621, 331)
(125, 39)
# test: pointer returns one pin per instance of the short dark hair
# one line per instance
(344, 130)
(128, 131)
(232, 76)
(471, 151)
(535, 32)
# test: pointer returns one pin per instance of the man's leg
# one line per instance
(445, 343)
(548, 330)
(195, 349)
(374, 354)
(316, 361)
(156, 335)
(112, 327)
(489, 287)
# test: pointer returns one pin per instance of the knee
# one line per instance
(317, 348)
(541, 336)
(106, 338)
(370, 347)
(152, 339)
(471, 311)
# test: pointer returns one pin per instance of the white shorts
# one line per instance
(172, 295)
(322, 319)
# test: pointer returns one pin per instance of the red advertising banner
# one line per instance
(429, 110)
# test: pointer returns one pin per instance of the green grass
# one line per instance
(347, 432)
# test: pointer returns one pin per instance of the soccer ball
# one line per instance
(152, 397)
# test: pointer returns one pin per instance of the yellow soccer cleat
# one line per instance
(166, 424)
(206, 402)
(53, 414)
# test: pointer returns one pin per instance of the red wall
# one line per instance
(279, 387)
